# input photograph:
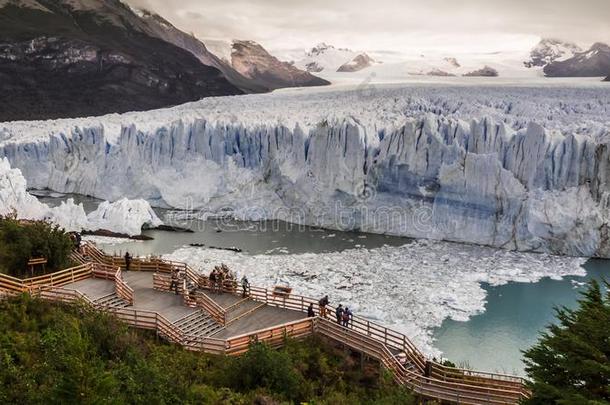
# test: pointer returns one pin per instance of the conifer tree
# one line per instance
(570, 364)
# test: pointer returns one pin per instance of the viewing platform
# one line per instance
(185, 308)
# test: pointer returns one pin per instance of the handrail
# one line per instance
(415, 381)
(122, 289)
(70, 275)
(446, 383)
(217, 312)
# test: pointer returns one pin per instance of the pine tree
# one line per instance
(570, 364)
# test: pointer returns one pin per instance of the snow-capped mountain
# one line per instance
(252, 61)
(163, 29)
(549, 50)
(325, 58)
(591, 63)
(66, 58)
(361, 61)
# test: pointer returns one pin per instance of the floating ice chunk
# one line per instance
(410, 288)
(124, 216)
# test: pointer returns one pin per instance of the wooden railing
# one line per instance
(382, 343)
(275, 336)
(211, 307)
(13, 285)
(122, 289)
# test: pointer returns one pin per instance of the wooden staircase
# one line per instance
(110, 301)
(199, 324)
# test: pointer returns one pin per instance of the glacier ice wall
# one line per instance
(523, 169)
(123, 216)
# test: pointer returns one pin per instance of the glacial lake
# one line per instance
(515, 313)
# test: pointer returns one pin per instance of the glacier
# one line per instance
(520, 166)
(123, 216)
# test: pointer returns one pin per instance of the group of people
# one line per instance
(343, 315)
(178, 276)
(76, 239)
(218, 276)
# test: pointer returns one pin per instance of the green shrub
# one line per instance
(21, 241)
(59, 353)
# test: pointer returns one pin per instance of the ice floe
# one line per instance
(412, 288)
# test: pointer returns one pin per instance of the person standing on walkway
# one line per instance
(212, 279)
(173, 285)
(127, 261)
(339, 314)
(347, 316)
(323, 303)
(245, 286)
(310, 311)
(220, 281)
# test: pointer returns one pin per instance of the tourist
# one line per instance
(347, 315)
(339, 313)
(213, 276)
(173, 285)
(220, 278)
(127, 261)
(78, 240)
(245, 286)
(323, 303)
(310, 311)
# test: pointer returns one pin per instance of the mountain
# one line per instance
(486, 71)
(326, 58)
(254, 62)
(549, 50)
(161, 28)
(360, 62)
(69, 58)
(592, 63)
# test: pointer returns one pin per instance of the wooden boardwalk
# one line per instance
(171, 306)
(227, 323)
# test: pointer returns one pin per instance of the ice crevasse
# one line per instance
(428, 167)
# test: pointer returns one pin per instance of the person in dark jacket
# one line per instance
(339, 314)
(347, 316)
(173, 285)
(310, 311)
(127, 261)
(323, 303)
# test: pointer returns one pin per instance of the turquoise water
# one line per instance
(513, 317)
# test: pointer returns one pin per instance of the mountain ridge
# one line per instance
(61, 58)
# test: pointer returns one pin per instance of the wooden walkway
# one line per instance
(227, 323)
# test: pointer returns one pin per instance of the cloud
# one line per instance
(391, 25)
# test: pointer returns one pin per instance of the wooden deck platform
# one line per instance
(171, 305)
(228, 323)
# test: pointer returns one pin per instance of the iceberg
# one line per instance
(123, 216)
(517, 167)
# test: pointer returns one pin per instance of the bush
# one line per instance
(21, 241)
(59, 353)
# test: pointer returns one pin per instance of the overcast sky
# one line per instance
(401, 26)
